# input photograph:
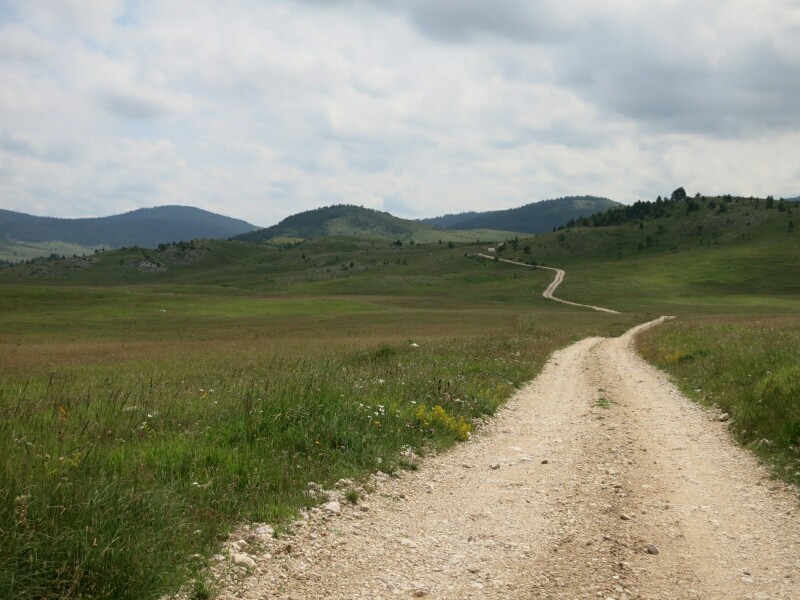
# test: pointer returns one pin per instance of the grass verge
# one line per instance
(749, 369)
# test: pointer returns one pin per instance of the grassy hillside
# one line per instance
(708, 254)
(699, 254)
(15, 251)
(146, 227)
(356, 221)
(537, 217)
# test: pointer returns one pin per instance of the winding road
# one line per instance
(548, 293)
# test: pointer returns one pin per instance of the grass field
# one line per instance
(153, 399)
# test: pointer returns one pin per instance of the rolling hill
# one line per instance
(356, 221)
(146, 227)
(536, 217)
(657, 256)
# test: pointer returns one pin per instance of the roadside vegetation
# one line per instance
(747, 368)
(113, 477)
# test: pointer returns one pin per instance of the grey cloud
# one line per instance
(19, 44)
(139, 190)
(557, 132)
(20, 146)
(671, 67)
(410, 103)
(753, 89)
(459, 20)
(465, 20)
(130, 106)
(367, 156)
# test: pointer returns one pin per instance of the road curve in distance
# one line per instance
(548, 293)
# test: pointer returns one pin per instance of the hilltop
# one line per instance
(29, 235)
(357, 221)
(536, 217)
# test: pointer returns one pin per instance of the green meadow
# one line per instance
(152, 399)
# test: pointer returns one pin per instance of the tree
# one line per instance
(679, 194)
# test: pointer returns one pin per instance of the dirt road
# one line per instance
(597, 460)
(551, 289)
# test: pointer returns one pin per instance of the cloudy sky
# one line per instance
(260, 109)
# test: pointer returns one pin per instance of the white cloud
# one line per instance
(259, 110)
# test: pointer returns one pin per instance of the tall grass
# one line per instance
(112, 478)
(749, 369)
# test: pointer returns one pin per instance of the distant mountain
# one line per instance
(537, 217)
(145, 227)
(356, 221)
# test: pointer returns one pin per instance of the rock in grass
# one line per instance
(265, 531)
(723, 417)
(241, 558)
(333, 508)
